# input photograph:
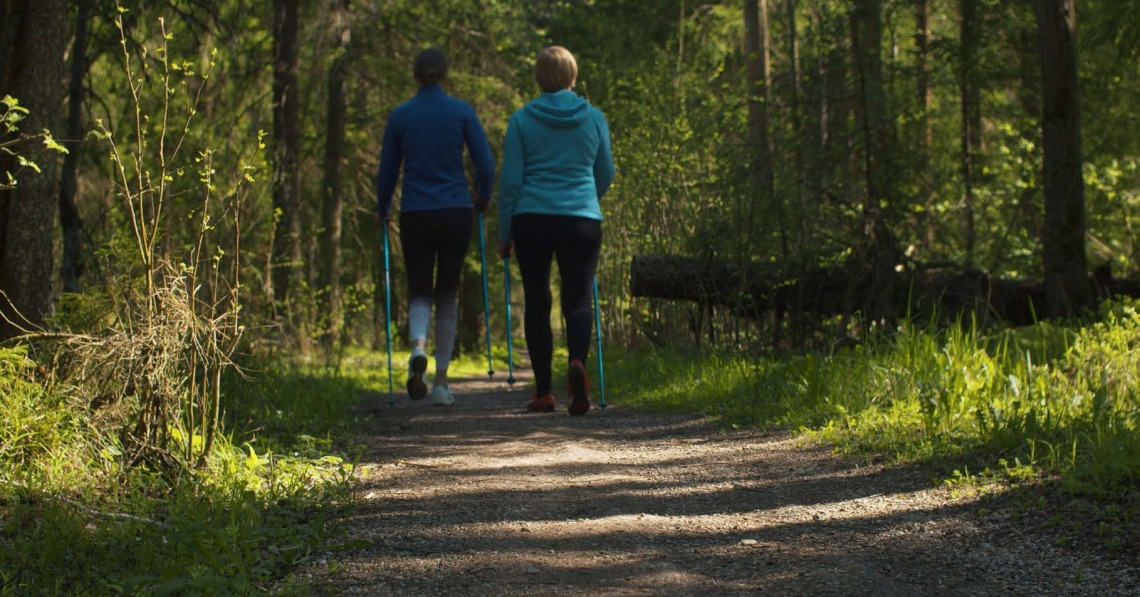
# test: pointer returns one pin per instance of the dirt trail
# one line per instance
(485, 498)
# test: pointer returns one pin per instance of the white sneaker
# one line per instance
(441, 396)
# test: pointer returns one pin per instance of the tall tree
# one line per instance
(33, 36)
(286, 255)
(924, 94)
(333, 204)
(874, 123)
(797, 114)
(1067, 288)
(69, 220)
(757, 49)
(831, 104)
(971, 113)
(922, 84)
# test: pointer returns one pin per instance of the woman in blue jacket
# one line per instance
(557, 165)
(426, 135)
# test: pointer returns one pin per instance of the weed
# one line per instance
(260, 506)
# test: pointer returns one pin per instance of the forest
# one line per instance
(905, 226)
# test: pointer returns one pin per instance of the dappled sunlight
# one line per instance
(865, 308)
(648, 552)
(495, 500)
(909, 511)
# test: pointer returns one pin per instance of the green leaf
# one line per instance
(52, 144)
(26, 163)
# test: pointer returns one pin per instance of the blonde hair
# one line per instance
(555, 69)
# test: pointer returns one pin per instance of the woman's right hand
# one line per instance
(505, 249)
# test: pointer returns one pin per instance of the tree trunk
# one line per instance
(72, 267)
(33, 36)
(286, 148)
(797, 118)
(924, 96)
(1067, 290)
(800, 142)
(757, 48)
(834, 107)
(970, 110)
(829, 290)
(332, 208)
(923, 89)
(880, 251)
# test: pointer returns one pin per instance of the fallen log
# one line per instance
(846, 287)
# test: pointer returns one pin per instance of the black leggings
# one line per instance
(429, 236)
(575, 243)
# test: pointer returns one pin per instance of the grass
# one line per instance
(1026, 404)
(72, 521)
(112, 479)
(369, 368)
(1045, 399)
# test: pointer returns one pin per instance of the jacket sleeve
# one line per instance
(604, 161)
(391, 156)
(481, 155)
(511, 178)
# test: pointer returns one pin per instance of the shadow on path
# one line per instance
(485, 498)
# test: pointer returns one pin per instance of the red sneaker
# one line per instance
(541, 404)
(579, 389)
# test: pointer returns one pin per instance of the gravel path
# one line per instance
(485, 498)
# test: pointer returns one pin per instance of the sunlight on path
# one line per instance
(485, 498)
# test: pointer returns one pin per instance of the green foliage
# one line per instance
(73, 522)
(1050, 398)
(219, 538)
(669, 76)
(1112, 199)
(153, 341)
(298, 408)
(117, 476)
(37, 421)
(14, 143)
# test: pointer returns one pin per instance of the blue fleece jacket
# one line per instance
(556, 160)
(427, 134)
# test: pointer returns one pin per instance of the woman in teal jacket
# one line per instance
(557, 165)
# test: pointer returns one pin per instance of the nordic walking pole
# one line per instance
(510, 342)
(388, 315)
(486, 302)
(598, 333)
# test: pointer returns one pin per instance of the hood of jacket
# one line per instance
(561, 109)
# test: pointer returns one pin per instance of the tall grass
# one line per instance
(73, 520)
(1057, 399)
(35, 421)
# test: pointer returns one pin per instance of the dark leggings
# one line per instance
(575, 243)
(431, 236)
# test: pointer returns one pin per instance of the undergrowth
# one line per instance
(1043, 400)
(73, 520)
(137, 454)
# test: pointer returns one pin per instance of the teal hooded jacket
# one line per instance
(556, 160)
